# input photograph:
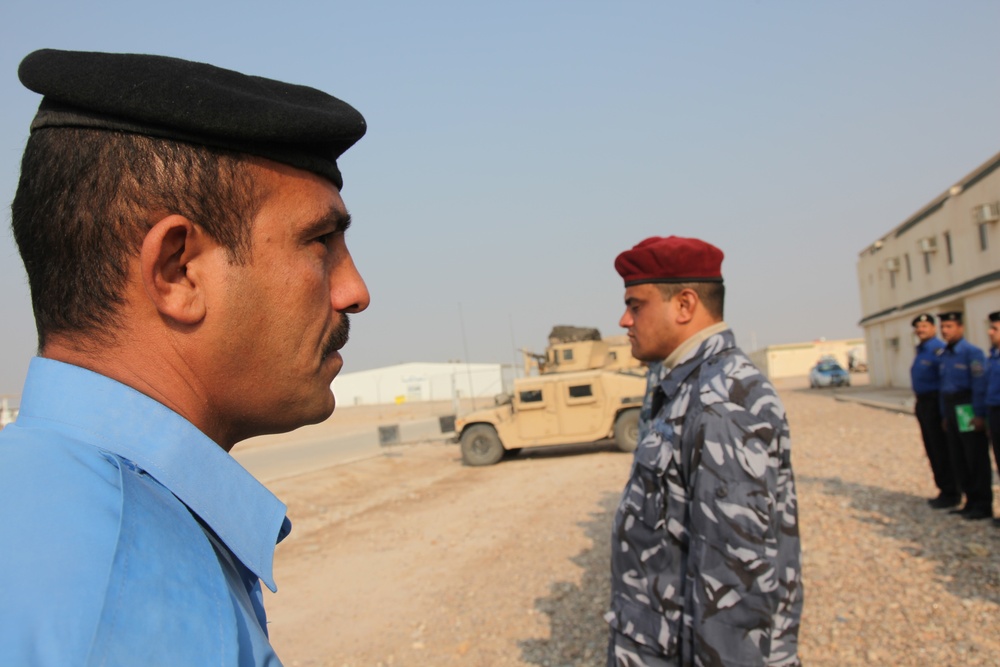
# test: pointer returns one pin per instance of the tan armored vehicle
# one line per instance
(583, 393)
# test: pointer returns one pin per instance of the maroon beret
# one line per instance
(670, 260)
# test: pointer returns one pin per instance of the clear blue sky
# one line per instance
(515, 148)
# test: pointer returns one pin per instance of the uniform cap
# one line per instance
(180, 100)
(953, 316)
(670, 259)
(922, 317)
(994, 317)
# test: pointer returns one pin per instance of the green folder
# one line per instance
(964, 416)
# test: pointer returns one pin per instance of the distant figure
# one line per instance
(925, 377)
(182, 230)
(963, 407)
(705, 556)
(993, 391)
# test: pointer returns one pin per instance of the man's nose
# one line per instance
(349, 293)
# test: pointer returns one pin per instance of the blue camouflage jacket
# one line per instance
(706, 563)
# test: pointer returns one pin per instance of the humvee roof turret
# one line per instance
(580, 348)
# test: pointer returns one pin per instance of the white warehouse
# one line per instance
(420, 381)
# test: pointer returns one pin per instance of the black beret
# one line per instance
(994, 317)
(922, 317)
(193, 102)
(954, 316)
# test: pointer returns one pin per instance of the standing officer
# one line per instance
(182, 230)
(925, 377)
(963, 388)
(705, 557)
(993, 391)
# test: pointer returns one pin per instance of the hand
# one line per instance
(978, 424)
(944, 425)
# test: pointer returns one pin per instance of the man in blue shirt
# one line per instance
(182, 231)
(963, 406)
(925, 377)
(993, 390)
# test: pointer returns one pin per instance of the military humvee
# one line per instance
(582, 393)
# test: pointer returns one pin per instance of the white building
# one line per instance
(945, 257)
(797, 359)
(420, 382)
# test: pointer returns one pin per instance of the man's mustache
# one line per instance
(338, 337)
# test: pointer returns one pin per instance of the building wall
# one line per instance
(420, 382)
(796, 359)
(933, 262)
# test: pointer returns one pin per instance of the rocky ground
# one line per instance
(412, 559)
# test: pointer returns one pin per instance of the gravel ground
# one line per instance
(411, 559)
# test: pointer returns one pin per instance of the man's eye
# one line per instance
(325, 239)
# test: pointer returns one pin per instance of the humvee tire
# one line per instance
(627, 430)
(481, 445)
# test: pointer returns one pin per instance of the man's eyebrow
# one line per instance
(632, 300)
(333, 221)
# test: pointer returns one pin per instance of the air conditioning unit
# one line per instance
(892, 264)
(986, 213)
(928, 244)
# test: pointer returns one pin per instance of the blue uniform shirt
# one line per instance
(963, 370)
(993, 380)
(129, 537)
(925, 375)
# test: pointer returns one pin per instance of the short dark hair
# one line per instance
(712, 295)
(86, 199)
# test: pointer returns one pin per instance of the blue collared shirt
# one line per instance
(993, 380)
(925, 375)
(129, 537)
(963, 371)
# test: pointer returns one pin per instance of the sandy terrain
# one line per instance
(412, 559)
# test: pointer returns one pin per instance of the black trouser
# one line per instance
(928, 411)
(970, 457)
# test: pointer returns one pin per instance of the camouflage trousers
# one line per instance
(623, 652)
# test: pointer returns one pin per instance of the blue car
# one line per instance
(828, 373)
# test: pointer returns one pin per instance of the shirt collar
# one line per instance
(113, 417)
(711, 341)
(684, 349)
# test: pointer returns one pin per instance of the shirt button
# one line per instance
(721, 491)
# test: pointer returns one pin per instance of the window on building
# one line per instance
(947, 246)
(909, 270)
(892, 279)
(531, 396)
(567, 355)
(927, 262)
(580, 391)
(984, 237)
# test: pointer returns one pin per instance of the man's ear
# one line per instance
(169, 261)
(687, 305)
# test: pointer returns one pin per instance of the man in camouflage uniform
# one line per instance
(705, 546)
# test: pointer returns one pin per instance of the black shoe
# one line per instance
(943, 502)
(962, 512)
(978, 513)
(996, 523)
